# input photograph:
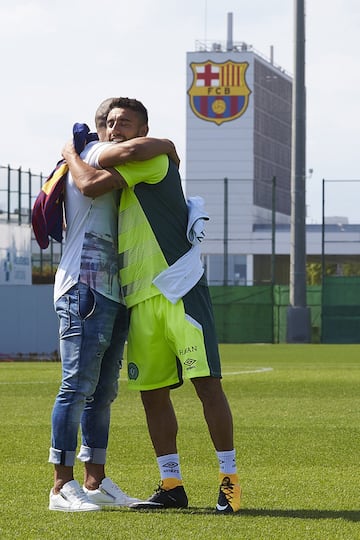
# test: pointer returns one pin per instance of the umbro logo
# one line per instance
(171, 464)
(189, 362)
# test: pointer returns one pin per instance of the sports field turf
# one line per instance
(297, 415)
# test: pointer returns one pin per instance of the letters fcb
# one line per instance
(219, 92)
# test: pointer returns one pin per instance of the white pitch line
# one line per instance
(245, 372)
(24, 382)
(122, 378)
(27, 382)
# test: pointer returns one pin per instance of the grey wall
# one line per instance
(28, 323)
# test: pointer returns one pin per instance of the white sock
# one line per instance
(227, 462)
(169, 466)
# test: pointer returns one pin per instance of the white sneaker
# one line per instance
(71, 499)
(109, 494)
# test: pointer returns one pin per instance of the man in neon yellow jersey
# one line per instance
(172, 332)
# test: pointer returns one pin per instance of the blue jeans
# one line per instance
(93, 330)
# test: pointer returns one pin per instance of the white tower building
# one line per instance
(238, 152)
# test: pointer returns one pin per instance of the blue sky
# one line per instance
(61, 59)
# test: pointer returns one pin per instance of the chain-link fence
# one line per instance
(18, 191)
(229, 233)
(238, 229)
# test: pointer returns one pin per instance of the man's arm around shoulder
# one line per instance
(137, 149)
(91, 182)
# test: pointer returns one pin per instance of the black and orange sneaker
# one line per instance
(229, 494)
(164, 498)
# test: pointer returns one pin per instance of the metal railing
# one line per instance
(18, 191)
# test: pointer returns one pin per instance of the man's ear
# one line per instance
(144, 130)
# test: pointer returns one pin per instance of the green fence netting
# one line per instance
(257, 314)
(243, 314)
(341, 309)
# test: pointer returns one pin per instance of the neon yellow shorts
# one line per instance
(168, 342)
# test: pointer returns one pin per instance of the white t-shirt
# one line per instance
(90, 251)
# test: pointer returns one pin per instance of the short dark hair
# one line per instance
(102, 112)
(123, 103)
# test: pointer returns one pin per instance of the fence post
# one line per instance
(19, 195)
(273, 252)
(29, 201)
(226, 233)
(8, 192)
(273, 230)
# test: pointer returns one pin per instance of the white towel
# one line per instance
(180, 277)
(196, 218)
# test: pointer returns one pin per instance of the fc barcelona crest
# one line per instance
(219, 92)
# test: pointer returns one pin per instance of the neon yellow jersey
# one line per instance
(141, 256)
(150, 171)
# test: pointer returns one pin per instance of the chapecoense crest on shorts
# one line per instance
(219, 92)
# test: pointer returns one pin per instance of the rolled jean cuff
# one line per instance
(62, 457)
(92, 455)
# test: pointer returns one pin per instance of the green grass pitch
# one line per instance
(296, 415)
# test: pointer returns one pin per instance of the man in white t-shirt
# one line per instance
(93, 326)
